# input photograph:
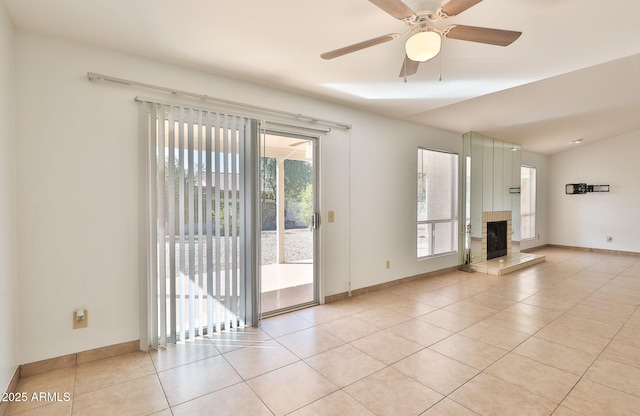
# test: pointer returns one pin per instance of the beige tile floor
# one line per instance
(286, 285)
(561, 338)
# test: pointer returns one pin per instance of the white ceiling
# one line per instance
(574, 73)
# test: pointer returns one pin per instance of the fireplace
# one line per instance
(496, 239)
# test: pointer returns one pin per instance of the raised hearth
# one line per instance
(508, 264)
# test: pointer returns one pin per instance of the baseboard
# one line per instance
(534, 249)
(4, 405)
(72, 360)
(109, 351)
(358, 292)
(362, 291)
(587, 249)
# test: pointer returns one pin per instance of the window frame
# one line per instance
(453, 219)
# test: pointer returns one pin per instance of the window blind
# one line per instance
(200, 272)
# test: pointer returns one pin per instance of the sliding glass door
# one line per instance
(289, 222)
(233, 223)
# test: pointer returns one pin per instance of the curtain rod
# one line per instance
(99, 77)
(323, 128)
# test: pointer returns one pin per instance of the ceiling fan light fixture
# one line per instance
(423, 46)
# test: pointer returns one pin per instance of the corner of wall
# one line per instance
(8, 234)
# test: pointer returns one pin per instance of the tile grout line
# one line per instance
(601, 352)
(531, 336)
(375, 305)
(596, 359)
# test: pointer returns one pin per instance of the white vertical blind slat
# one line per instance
(162, 258)
(241, 213)
(234, 222)
(152, 263)
(209, 220)
(201, 236)
(171, 199)
(192, 222)
(225, 216)
(216, 158)
(181, 222)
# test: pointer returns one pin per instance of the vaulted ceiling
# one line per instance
(573, 74)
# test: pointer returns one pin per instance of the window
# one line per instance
(437, 203)
(527, 203)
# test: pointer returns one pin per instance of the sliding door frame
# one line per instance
(314, 136)
(250, 253)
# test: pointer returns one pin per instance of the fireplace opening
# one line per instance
(496, 239)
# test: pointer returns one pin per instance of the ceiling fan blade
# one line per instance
(359, 45)
(481, 34)
(395, 8)
(455, 7)
(409, 67)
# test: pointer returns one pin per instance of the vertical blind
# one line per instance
(200, 278)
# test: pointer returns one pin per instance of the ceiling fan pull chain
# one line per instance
(440, 63)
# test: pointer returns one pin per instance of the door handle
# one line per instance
(315, 220)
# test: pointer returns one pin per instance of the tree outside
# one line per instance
(298, 188)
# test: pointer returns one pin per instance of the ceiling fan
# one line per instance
(426, 39)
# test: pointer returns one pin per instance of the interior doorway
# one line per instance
(289, 222)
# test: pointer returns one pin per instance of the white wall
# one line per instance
(586, 220)
(383, 199)
(79, 190)
(8, 271)
(541, 163)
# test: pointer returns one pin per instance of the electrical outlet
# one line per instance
(388, 264)
(80, 323)
(609, 239)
